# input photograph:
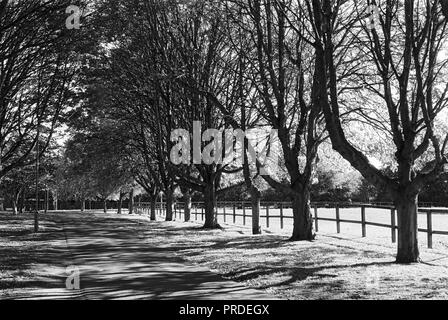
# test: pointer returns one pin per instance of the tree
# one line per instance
(205, 75)
(405, 72)
(35, 77)
(15, 184)
(97, 166)
(148, 180)
(150, 63)
(280, 61)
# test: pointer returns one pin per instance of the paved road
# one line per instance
(117, 260)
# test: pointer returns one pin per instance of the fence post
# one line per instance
(175, 211)
(202, 212)
(217, 210)
(224, 213)
(338, 219)
(281, 215)
(316, 218)
(267, 215)
(234, 213)
(363, 221)
(244, 214)
(393, 225)
(429, 227)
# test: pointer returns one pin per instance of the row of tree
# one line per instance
(38, 75)
(314, 70)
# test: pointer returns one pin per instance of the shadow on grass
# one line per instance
(296, 274)
(123, 258)
(117, 258)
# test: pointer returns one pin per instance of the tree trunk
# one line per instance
(22, 202)
(255, 196)
(46, 200)
(15, 201)
(105, 205)
(131, 201)
(187, 206)
(55, 201)
(153, 208)
(407, 211)
(211, 218)
(83, 204)
(120, 203)
(36, 221)
(14, 207)
(303, 220)
(169, 194)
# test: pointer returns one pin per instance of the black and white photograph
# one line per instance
(223, 155)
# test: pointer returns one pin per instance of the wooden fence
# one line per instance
(228, 212)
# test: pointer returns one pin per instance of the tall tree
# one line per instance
(406, 70)
(36, 72)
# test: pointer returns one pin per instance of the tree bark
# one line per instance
(169, 194)
(83, 204)
(14, 207)
(120, 203)
(187, 206)
(153, 208)
(407, 211)
(131, 201)
(22, 202)
(303, 220)
(47, 196)
(255, 196)
(55, 201)
(211, 218)
(15, 201)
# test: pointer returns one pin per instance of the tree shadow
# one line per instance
(114, 263)
(120, 258)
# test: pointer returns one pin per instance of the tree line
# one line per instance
(324, 74)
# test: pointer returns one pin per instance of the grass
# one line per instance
(334, 266)
(439, 223)
(29, 261)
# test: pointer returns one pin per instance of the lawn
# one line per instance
(382, 216)
(334, 266)
(28, 261)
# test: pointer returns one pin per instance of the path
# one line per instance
(117, 260)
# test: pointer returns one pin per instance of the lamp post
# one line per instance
(36, 211)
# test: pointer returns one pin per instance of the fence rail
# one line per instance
(228, 211)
